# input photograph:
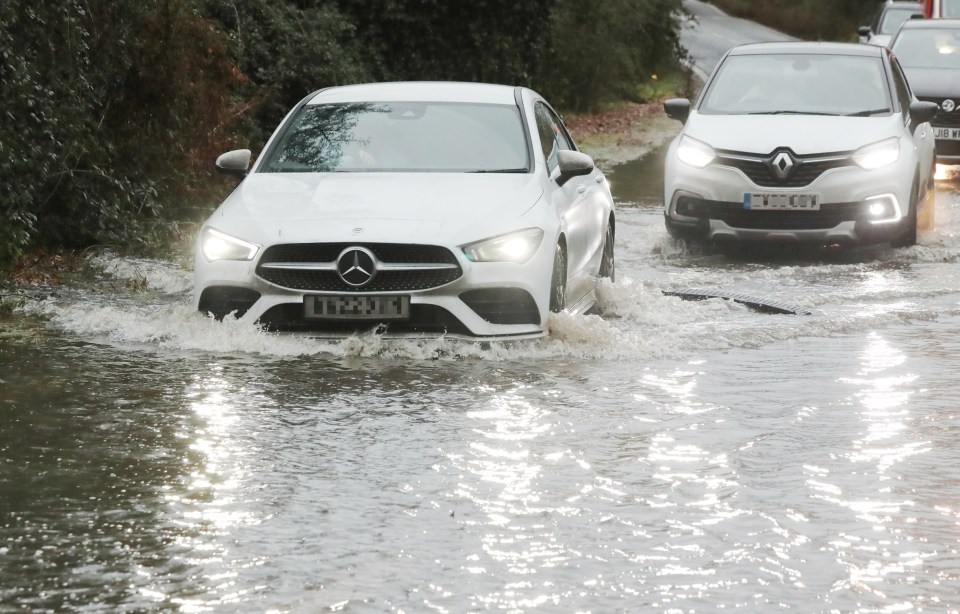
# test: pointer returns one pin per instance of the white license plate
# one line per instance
(947, 134)
(357, 307)
(781, 202)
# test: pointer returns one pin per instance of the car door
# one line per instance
(576, 203)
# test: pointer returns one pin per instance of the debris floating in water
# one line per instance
(753, 302)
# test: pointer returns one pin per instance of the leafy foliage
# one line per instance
(105, 101)
(114, 109)
(606, 51)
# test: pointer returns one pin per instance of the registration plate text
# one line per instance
(947, 134)
(357, 307)
(781, 202)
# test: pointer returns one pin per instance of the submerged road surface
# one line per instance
(669, 456)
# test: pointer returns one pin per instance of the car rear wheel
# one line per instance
(608, 262)
(558, 280)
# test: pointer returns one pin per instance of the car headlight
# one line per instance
(217, 245)
(516, 247)
(878, 155)
(695, 153)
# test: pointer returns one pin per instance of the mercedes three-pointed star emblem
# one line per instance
(357, 266)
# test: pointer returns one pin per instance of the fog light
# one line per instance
(883, 209)
(877, 209)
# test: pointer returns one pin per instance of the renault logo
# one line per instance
(781, 165)
(948, 106)
(356, 266)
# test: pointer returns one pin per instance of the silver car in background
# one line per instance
(801, 142)
(929, 52)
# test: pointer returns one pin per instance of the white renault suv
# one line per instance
(802, 142)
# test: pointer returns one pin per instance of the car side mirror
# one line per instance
(677, 108)
(234, 162)
(922, 112)
(573, 164)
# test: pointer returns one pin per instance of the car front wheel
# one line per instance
(608, 262)
(558, 280)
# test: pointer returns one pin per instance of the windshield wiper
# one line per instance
(792, 113)
(868, 113)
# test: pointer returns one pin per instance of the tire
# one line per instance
(926, 216)
(908, 234)
(558, 280)
(608, 261)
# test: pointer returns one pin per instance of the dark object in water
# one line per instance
(753, 302)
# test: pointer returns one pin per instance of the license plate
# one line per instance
(781, 202)
(357, 307)
(946, 134)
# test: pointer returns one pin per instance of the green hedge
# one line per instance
(115, 109)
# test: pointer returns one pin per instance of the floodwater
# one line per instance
(669, 456)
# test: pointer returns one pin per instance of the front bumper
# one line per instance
(490, 301)
(708, 204)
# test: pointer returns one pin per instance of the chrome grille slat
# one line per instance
(807, 168)
(312, 267)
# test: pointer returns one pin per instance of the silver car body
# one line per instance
(815, 154)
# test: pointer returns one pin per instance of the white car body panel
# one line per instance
(445, 209)
(759, 136)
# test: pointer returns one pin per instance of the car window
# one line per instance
(928, 48)
(553, 137)
(950, 8)
(893, 18)
(903, 88)
(802, 84)
(402, 137)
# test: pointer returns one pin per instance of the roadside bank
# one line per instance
(625, 133)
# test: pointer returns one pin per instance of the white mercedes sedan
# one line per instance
(410, 208)
(819, 143)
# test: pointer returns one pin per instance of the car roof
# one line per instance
(931, 24)
(811, 48)
(418, 91)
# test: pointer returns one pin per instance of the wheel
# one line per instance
(608, 262)
(558, 280)
(926, 218)
(908, 234)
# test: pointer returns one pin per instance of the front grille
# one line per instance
(948, 148)
(734, 215)
(944, 119)
(384, 281)
(503, 305)
(806, 170)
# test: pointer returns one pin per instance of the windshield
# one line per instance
(893, 18)
(950, 8)
(402, 137)
(798, 84)
(928, 48)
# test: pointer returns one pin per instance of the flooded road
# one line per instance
(670, 456)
